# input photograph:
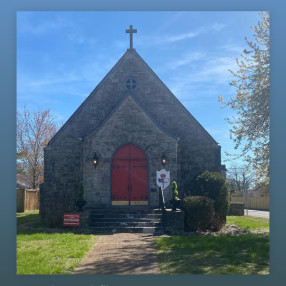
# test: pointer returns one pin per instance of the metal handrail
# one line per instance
(163, 207)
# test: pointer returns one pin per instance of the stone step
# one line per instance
(125, 219)
(125, 224)
(129, 219)
(154, 230)
(125, 216)
(123, 211)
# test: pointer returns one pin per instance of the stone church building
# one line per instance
(115, 142)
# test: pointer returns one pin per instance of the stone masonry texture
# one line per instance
(149, 116)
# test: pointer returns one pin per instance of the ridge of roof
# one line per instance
(140, 106)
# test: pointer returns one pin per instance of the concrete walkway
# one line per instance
(121, 253)
(264, 214)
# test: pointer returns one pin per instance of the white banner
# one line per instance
(163, 178)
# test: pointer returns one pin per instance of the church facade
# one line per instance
(117, 139)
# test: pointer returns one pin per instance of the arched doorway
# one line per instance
(129, 177)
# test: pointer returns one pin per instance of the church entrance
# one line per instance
(129, 177)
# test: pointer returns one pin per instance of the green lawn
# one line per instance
(250, 223)
(27, 217)
(49, 251)
(223, 254)
(43, 250)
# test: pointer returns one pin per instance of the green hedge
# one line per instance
(215, 187)
(199, 213)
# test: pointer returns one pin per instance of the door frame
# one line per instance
(110, 174)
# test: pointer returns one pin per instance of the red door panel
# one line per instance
(129, 177)
(120, 170)
(139, 181)
(123, 153)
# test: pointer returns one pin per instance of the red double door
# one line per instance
(129, 177)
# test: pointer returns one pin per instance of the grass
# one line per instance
(49, 251)
(244, 254)
(250, 223)
(58, 251)
(223, 254)
(27, 217)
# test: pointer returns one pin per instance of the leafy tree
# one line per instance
(34, 131)
(250, 127)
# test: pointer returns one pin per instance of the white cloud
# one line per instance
(180, 37)
(76, 38)
(215, 69)
(78, 79)
(211, 70)
(231, 48)
(187, 59)
(157, 39)
(217, 27)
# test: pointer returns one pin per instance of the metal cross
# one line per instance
(131, 31)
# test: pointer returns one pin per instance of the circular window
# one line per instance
(130, 84)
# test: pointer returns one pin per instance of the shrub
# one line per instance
(174, 191)
(79, 195)
(215, 186)
(199, 212)
(80, 201)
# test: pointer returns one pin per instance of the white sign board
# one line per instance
(163, 178)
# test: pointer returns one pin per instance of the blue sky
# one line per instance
(62, 56)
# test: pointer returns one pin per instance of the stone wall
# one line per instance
(174, 222)
(128, 124)
(236, 209)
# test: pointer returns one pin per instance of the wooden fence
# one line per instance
(27, 200)
(257, 203)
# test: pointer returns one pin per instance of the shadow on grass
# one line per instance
(31, 224)
(39, 227)
(244, 254)
(27, 218)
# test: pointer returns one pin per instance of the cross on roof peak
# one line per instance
(131, 31)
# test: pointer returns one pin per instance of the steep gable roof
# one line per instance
(140, 64)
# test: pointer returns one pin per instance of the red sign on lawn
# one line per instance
(71, 219)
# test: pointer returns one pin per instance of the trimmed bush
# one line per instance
(174, 191)
(199, 212)
(215, 186)
(79, 195)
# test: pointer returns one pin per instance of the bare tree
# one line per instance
(241, 178)
(34, 131)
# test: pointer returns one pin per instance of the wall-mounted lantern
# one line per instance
(95, 160)
(164, 159)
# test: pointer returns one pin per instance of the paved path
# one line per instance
(257, 213)
(121, 253)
